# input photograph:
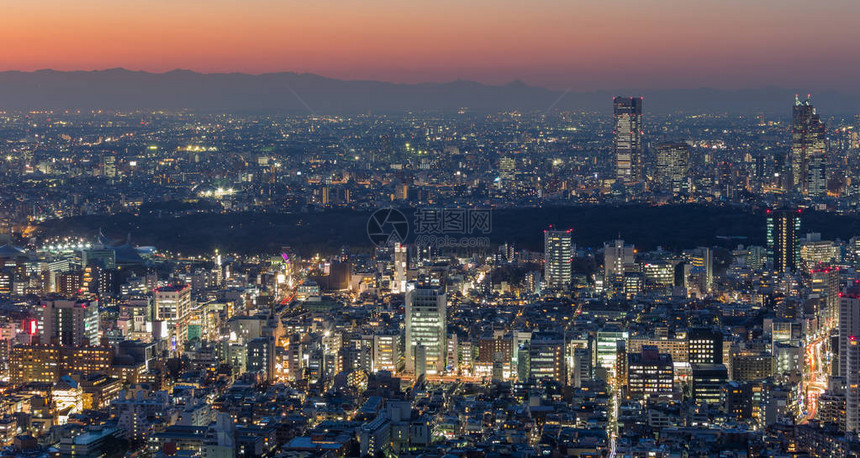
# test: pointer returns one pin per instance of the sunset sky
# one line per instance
(576, 44)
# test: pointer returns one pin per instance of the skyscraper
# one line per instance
(628, 138)
(783, 243)
(558, 252)
(426, 325)
(673, 164)
(808, 150)
(849, 354)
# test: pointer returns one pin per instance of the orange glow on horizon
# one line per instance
(588, 44)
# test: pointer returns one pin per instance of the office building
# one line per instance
(386, 352)
(676, 348)
(704, 346)
(88, 444)
(70, 284)
(752, 366)
(628, 139)
(658, 275)
(649, 373)
(808, 150)
(426, 325)
(374, 437)
(546, 357)
(607, 347)
(814, 251)
(707, 382)
(673, 165)
(737, 400)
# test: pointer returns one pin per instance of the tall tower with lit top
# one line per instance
(808, 150)
(628, 138)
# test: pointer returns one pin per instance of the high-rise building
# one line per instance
(69, 322)
(374, 437)
(783, 241)
(849, 354)
(673, 165)
(808, 150)
(628, 138)
(558, 253)
(824, 286)
(426, 325)
(737, 399)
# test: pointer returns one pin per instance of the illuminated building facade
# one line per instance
(783, 243)
(47, 363)
(673, 165)
(558, 253)
(808, 150)
(173, 305)
(649, 373)
(628, 139)
(849, 354)
(68, 322)
(426, 328)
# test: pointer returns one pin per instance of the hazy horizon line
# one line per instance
(515, 81)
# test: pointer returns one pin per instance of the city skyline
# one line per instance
(503, 251)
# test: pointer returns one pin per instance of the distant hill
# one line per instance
(120, 89)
